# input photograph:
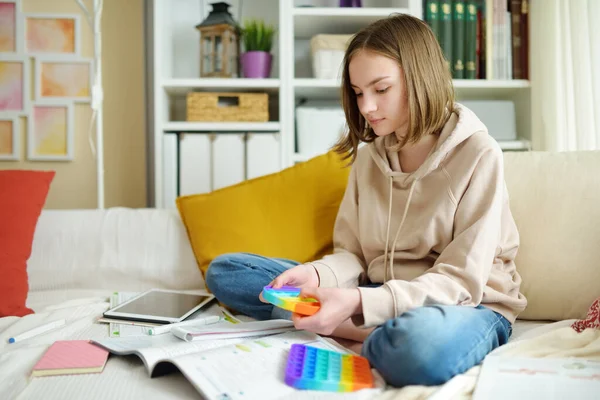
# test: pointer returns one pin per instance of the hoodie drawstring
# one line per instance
(387, 236)
(393, 250)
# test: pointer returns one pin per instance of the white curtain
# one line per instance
(565, 74)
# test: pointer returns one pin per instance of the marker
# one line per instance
(159, 330)
(38, 331)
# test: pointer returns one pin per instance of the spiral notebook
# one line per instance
(68, 357)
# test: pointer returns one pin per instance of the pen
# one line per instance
(37, 331)
(159, 330)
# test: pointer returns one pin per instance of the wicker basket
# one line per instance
(250, 107)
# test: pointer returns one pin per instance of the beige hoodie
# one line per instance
(443, 234)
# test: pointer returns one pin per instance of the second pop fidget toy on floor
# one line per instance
(313, 368)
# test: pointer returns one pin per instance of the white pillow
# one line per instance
(114, 249)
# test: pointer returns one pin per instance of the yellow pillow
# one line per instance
(289, 214)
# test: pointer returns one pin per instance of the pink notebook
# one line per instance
(65, 357)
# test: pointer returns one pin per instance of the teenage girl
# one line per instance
(423, 265)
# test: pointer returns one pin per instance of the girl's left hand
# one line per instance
(337, 305)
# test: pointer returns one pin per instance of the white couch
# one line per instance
(81, 256)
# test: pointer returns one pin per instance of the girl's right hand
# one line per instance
(303, 275)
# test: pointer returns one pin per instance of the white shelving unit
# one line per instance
(174, 71)
(181, 152)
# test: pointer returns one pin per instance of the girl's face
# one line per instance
(378, 83)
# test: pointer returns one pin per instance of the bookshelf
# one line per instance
(173, 66)
(322, 88)
(181, 86)
(176, 126)
(309, 21)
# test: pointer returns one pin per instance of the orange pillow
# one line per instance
(22, 197)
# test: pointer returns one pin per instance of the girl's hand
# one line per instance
(337, 305)
(302, 276)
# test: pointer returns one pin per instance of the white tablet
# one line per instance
(159, 305)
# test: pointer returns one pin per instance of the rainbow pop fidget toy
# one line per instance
(312, 368)
(287, 297)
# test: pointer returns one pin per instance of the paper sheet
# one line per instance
(227, 330)
(156, 348)
(526, 378)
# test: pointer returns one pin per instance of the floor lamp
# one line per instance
(94, 19)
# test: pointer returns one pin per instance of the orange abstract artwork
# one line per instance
(50, 35)
(11, 86)
(6, 137)
(50, 136)
(7, 27)
(65, 79)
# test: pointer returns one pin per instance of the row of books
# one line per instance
(482, 39)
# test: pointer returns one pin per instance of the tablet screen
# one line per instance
(162, 304)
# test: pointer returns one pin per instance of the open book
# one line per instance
(238, 368)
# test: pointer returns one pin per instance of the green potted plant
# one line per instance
(258, 40)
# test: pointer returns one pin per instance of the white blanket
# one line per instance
(123, 377)
(553, 340)
(126, 377)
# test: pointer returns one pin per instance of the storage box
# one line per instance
(227, 107)
(497, 115)
(328, 55)
(319, 125)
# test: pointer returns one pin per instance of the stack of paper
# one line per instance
(227, 330)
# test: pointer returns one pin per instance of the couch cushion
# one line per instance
(114, 249)
(289, 214)
(22, 197)
(555, 200)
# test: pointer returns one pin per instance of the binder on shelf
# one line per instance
(169, 169)
(263, 154)
(499, 117)
(194, 163)
(228, 159)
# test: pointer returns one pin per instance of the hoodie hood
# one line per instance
(461, 125)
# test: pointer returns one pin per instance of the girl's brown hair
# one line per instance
(428, 81)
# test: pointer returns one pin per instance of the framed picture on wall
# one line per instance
(61, 79)
(14, 84)
(52, 34)
(9, 138)
(50, 132)
(11, 27)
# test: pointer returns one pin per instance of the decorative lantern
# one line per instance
(219, 43)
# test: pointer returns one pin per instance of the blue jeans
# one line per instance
(424, 346)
